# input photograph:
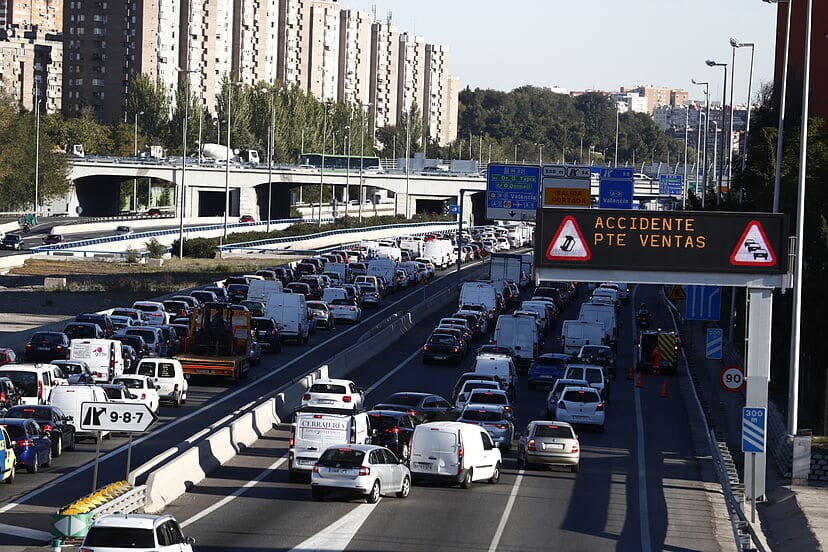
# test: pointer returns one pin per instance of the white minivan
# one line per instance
(68, 398)
(103, 356)
(168, 375)
(520, 334)
(605, 314)
(34, 381)
(290, 312)
(454, 452)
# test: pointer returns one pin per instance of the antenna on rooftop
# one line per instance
(388, 19)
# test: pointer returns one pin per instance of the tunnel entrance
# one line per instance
(279, 202)
(211, 204)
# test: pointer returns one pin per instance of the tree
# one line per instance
(175, 126)
(149, 97)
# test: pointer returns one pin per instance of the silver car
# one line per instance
(494, 419)
(549, 443)
(366, 470)
(321, 314)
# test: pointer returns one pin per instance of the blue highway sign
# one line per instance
(454, 209)
(512, 192)
(615, 190)
(715, 338)
(754, 429)
(670, 185)
(703, 303)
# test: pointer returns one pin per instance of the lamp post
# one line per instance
(182, 193)
(135, 153)
(711, 63)
(540, 153)
(730, 126)
(715, 146)
(230, 85)
(363, 119)
(37, 150)
(706, 130)
(793, 376)
(346, 197)
(685, 185)
(617, 120)
(698, 147)
(408, 161)
(271, 139)
(782, 93)
(322, 168)
(736, 44)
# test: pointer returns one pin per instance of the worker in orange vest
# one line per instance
(656, 354)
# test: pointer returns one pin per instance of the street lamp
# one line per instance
(540, 153)
(37, 150)
(408, 160)
(617, 120)
(706, 129)
(230, 85)
(184, 161)
(135, 152)
(736, 44)
(346, 197)
(322, 168)
(711, 63)
(363, 120)
(271, 139)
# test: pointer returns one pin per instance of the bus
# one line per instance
(341, 162)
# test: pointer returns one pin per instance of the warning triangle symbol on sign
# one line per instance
(753, 248)
(569, 243)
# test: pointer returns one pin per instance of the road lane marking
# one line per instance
(504, 518)
(338, 535)
(643, 509)
(25, 532)
(399, 367)
(237, 493)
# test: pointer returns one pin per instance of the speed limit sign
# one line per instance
(732, 378)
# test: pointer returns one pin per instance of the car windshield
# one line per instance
(341, 302)
(488, 398)
(130, 383)
(114, 392)
(342, 458)
(552, 430)
(481, 415)
(147, 335)
(581, 396)
(262, 324)
(34, 412)
(25, 382)
(403, 399)
(71, 369)
(328, 388)
(51, 338)
(145, 308)
(549, 362)
(593, 350)
(120, 537)
(594, 376)
(441, 339)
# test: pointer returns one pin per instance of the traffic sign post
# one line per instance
(732, 378)
(454, 209)
(670, 185)
(703, 303)
(512, 192)
(567, 186)
(715, 339)
(115, 417)
(754, 432)
(615, 189)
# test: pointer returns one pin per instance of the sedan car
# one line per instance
(334, 393)
(54, 423)
(392, 429)
(549, 442)
(47, 346)
(424, 407)
(321, 314)
(548, 368)
(442, 347)
(52, 239)
(77, 372)
(143, 389)
(581, 405)
(267, 333)
(494, 419)
(31, 446)
(345, 309)
(366, 470)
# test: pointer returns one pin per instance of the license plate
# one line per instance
(326, 401)
(339, 470)
(304, 462)
(553, 446)
(202, 371)
(423, 465)
(582, 417)
(440, 357)
(43, 348)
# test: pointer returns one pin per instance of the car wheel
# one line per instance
(71, 445)
(48, 461)
(318, 493)
(57, 450)
(405, 452)
(467, 480)
(496, 475)
(10, 478)
(374, 496)
(405, 489)
(33, 467)
(576, 468)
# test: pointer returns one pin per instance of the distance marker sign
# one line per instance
(691, 241)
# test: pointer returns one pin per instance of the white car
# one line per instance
(345, 309)
(143, 388)
(472, 385)
(116, 532)
(581, 406)
(334, 393)
(154, 312)
(366, 470)
(121, 322)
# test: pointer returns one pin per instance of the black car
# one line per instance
(137, 343)
(12, 241)
(204, 296)
(424, 407)
(102, 320)
(601, 355)
(57, 426)
(220, 293)
(47, 346)
(83, 330)
(267, 332)
(392, 429)
(237, 292)
(9, 395)
(442, 347)
(171, 338)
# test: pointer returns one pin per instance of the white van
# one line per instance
(479, 293)
(608, 292)
(104, 357)
(439, 252)
(168, 375)
(260, 290)
(500, 366)
(577, 333)
(332, 294)
(290, 312)
(538, 307)
(69, 398)
(315, 429)
(385, 268)
(520, 334)
(606, 315)
(455, 452)
(33, 381)
(412, 244)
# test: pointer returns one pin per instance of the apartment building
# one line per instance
(385, 47)
(629, 101)
(354, 57)
(46, 15)
(255, 38)
(410, 73)
(435, 97)
(31, 63)
(322, 60)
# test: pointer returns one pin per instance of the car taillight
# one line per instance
(531, 445)
(574, 448)
(46, 427)
(175, 388)
(456, 350)
(494, 341)
(364, 470)
(352, 309)
(425, 347)
(600, 407)
(292, 439)
(143, 396)
(306, 397)
(412, 412)
(392, 430)
(28, 345)
(2, 397)
(39, 389)
(346, 399)
(562, 405)
(498, 426)
(316, 468)
(24, 443)
(59, 347)
(460, 454)
(353, 433)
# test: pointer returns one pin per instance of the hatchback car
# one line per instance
(54, 423)
(116, 532)
(12, 241)
(321, 314)
(345, 309)
(581, 405)
(103, 321)
(83, 330)
(424, 407)
(143, 389)
(548, 368)
(367, 470)
(442, 347)
(493, 397)
(334, 393)
(494, 419)
(369, 296)
(393, 430)
(267, 333)
(153, 312)
(547, 443)
(47, 346)
(31, 446)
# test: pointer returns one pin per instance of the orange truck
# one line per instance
(219, 343)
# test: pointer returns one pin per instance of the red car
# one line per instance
(154, 212)
(7, 356)
(247, 218)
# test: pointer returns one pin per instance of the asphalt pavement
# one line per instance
(639, 487)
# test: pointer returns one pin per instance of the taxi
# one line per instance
(7, 457)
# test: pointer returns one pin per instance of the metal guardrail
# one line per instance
(130, 502)
(732, 487)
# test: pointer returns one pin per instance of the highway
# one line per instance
(33, 498)
(639, 487)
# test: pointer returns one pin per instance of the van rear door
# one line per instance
(436, 451)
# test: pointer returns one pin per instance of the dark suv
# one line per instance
(12, 241)
(267, 333)
(47, 346)
(103, 321)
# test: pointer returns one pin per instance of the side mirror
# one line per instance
(68, 418)
(190, 540)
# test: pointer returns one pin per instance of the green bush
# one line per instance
(155, 248)
(131, 256)
(199, 248)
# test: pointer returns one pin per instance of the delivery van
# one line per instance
(480, 293)
(454, 452)
(606, 315)
(314, 429)
(520, 334)
(104, 357)
(260, 290)
(577, 333)
(68, 398)
(290, 312)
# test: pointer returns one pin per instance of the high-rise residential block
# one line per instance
(255, 38)
(385, 47)
(46, 15)
(354, 57)
(31, 63)
(411, 73)
(452, 107)
(435, 102)
(323, 53)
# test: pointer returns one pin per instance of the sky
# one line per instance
(592, 44)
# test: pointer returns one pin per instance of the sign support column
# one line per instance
(760, 310)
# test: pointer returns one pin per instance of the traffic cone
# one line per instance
(664, 389)
(630, 375)
(639, 382)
